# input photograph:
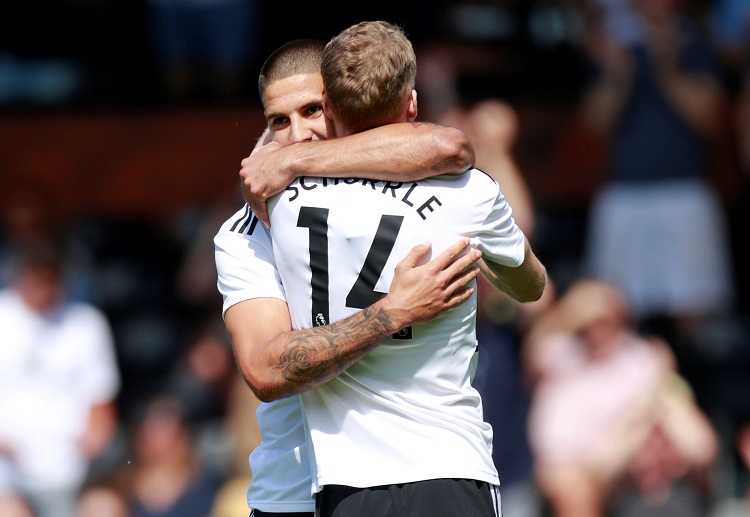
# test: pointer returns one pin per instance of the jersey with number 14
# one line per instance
(406, 411)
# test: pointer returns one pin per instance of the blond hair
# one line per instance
(369, 70)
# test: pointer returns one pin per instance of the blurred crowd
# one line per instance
(624, 392)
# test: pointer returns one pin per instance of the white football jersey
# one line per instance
(406, 411)
(280, 467)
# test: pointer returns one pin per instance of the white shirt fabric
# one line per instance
(405, 412)
(53, 369)
(280, 468)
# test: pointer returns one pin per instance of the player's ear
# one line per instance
(411, 107)
(327, 108)
(328, 114)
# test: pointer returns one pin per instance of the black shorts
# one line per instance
(435, 497)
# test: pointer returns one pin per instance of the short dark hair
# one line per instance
(297, 57)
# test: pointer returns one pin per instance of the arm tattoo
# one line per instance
(314, 356)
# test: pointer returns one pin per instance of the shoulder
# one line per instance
(472, 178)
(12, 310)
(84, 312)
(242, 222)
(482, 179)
(474, 185)
(241, 227)
(7, 297)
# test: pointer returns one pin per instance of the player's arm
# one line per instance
(407, 151)
(524, 283)
(277, 362)
(394, 152)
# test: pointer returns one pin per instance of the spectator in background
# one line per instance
(204, 379)
(25, 216)
(657, 227)
(475, 50)
(101, 499)
(613, 426)
(205, 374)
(15, 505)
(58, 383)
(167, 477)
(202, 47)
(243, 436)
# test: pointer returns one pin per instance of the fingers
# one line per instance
(450, 254)
(463, 262)
(417, 252)
(459, 297)
(457, 290)
(261, 212)
(258, 204)
(246, 194)
(461, 280)
(259, 208)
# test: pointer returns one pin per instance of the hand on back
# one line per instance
(420, 293)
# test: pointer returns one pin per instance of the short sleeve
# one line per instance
(245, 265)
(500, 239)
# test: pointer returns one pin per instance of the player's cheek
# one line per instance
(281, 136)
(319, 129)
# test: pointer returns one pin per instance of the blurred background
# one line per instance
(122, 128)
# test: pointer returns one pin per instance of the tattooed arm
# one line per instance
(277, 362)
